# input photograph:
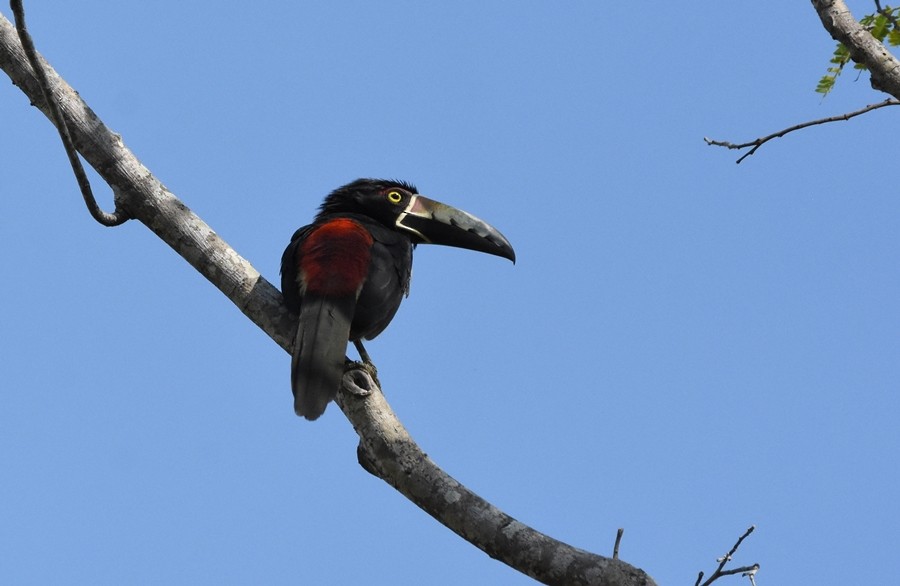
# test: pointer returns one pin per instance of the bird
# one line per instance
(345, 274)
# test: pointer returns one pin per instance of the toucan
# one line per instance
(345, 274)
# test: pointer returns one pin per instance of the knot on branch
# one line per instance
(358, 380)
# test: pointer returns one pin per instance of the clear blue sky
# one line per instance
(686, 346)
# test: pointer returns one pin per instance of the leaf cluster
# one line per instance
(883, 25)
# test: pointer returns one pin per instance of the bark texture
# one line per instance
(386, 449)
(864, 48)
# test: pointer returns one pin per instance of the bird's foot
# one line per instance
(367, 361)
(370, 369)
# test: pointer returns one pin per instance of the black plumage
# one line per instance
(346, 274)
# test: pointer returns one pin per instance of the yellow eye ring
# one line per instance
(394, 197)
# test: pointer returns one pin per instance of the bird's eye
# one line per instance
(394, 196)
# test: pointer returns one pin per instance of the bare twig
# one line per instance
(743, 570)
(119, 216)
(618, 541)
(721, 571)
(728, 556)
(755, 144)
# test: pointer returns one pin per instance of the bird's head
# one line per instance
(399, 206)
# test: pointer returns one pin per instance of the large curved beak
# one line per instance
(437, 223)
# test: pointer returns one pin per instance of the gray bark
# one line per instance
(386, 450)
(864, 48)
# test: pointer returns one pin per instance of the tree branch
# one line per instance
(720, 571)
(385, 448)
(387, 451)
(864, 48)
(763, 140)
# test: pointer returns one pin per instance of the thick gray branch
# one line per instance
(385, 447)
(387, 451)
(864, 48)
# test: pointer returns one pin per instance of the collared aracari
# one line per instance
(347, 272)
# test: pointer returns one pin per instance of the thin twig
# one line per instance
(761, 141)
(742, 569)
(720, 571)
(618, 541)
(114, 219)
(737, 544)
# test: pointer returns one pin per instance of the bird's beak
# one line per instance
(437, 223)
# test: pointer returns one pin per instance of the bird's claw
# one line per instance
(373, 372)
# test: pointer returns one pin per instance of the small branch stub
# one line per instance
(618, 541)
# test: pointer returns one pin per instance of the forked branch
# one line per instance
(749, 571)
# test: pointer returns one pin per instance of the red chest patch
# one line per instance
(334, 258)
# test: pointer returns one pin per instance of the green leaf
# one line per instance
(894, 37)
(839, 59)
(880, 28)
(825, 84)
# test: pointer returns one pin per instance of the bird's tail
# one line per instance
(317, 366)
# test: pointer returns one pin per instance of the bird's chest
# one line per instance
(335, 257)
(386, 284)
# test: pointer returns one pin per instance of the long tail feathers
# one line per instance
(317, 366)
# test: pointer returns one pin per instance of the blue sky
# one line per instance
(685, 347)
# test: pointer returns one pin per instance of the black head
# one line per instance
(398, 205)
(380, 199)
